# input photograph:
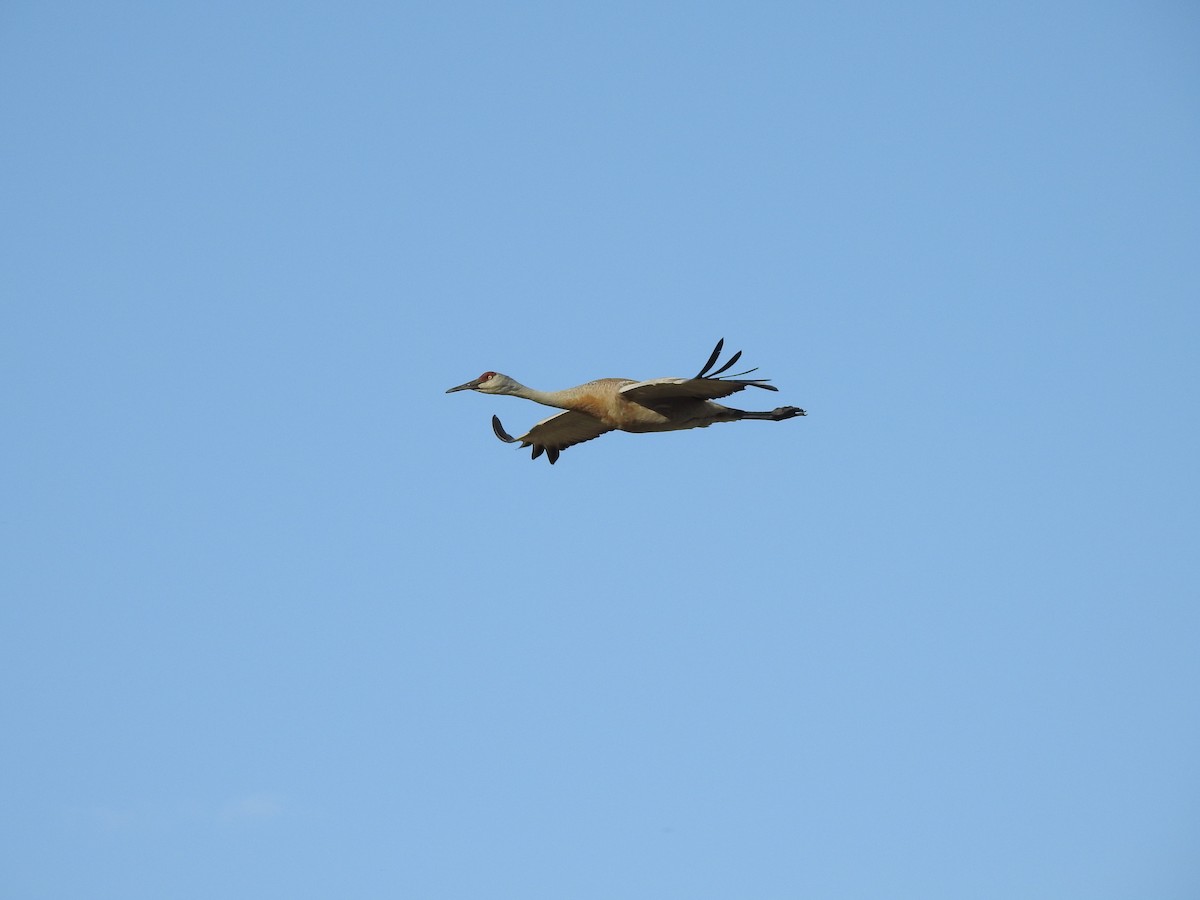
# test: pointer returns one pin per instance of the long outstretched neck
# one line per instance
(546, 398)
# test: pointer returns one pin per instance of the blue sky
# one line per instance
(282, 619)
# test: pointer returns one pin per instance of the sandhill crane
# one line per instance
(622, 404)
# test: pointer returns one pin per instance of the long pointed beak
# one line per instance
(469, 386)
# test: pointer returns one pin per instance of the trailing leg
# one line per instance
(774, 415)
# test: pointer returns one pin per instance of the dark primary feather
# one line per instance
(728, 365)
(712, 359)
(500, 432)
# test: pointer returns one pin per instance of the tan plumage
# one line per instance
(610, 404)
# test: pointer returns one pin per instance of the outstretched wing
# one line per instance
(555, 434)
(658, 390)
(703, 387)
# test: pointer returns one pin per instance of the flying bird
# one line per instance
(622, 404)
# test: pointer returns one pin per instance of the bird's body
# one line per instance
(604, 401)
(623, 404)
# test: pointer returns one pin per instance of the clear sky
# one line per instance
(282, 619)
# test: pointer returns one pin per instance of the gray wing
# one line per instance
(705, 385)
(555, 434)
(660, 390)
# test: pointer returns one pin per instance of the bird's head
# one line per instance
(487, 383)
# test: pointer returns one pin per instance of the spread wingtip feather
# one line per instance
(500, 432)
(712, 360)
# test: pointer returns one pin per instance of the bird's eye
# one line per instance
(487, 376)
